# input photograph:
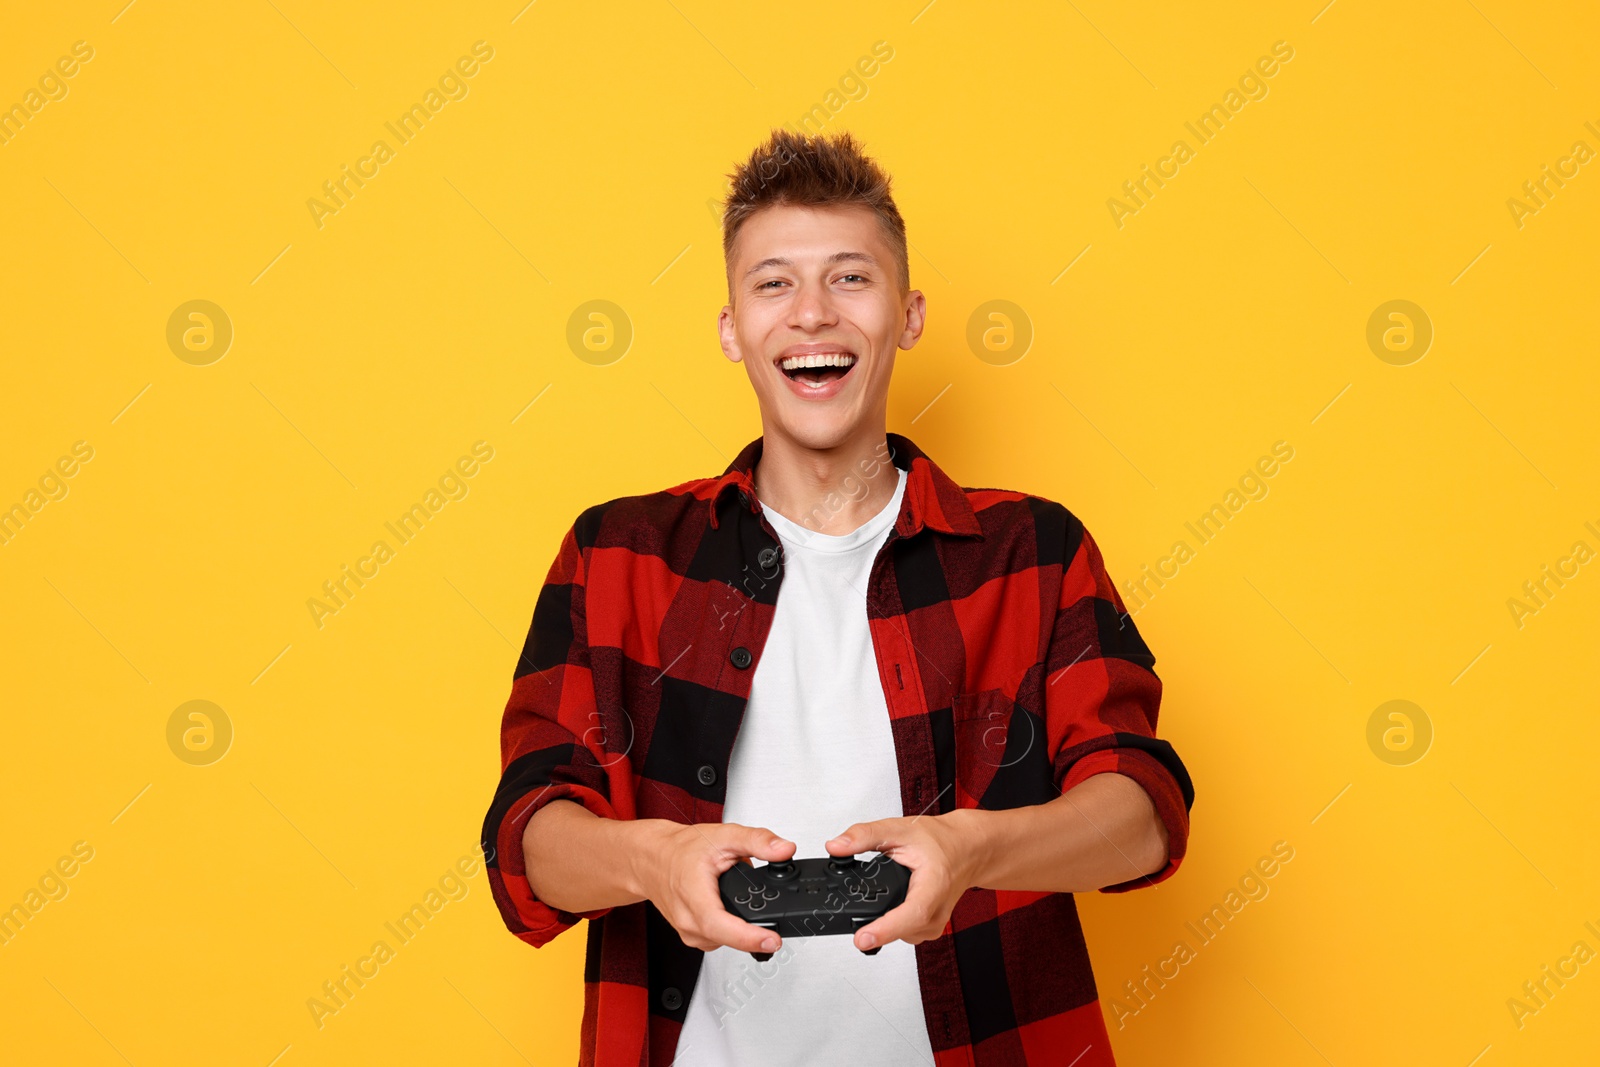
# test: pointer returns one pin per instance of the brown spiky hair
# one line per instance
(819, 171)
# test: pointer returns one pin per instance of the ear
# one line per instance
(727, 336)
(916, 318)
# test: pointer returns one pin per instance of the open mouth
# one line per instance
(817, 369)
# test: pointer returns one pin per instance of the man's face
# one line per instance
(818, 285)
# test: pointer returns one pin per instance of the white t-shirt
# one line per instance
(813, 755)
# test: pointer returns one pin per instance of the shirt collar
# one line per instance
(931, 499)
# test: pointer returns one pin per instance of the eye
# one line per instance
(773, 281)
(861, 277)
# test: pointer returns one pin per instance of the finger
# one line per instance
(887, 927)
(763, 844)
(909, 915)
(859, 837)
(896, 924)
(728, 929)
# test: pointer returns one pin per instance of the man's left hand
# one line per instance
(940, 853)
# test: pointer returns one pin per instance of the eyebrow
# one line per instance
(837, 257)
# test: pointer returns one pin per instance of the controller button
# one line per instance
(757, 904)
(768, 893)
(780, 871)
(743, 897)
(864, 890)
(842, 863)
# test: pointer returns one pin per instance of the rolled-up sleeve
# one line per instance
(1102, 697)
(552, 742)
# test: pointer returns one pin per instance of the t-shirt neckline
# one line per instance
(793, 535)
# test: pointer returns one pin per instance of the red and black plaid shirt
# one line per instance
(1011, 674)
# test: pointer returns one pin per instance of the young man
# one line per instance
(831, 649)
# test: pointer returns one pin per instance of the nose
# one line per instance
(813, 308)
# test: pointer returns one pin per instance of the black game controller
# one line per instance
(825, 895)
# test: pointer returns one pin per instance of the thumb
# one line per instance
(859, 837)
(763, 844)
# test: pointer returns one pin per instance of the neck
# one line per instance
(831, 491)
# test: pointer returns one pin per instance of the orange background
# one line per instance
(1166, 355)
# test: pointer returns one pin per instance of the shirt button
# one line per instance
(707, 774)
(740, 657)
(671, 999)
(767, 558)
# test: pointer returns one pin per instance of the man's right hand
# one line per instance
(678, 869)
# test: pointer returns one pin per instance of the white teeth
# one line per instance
(820, 359)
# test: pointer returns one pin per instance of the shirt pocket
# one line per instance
(992, 741)
(983, 730)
